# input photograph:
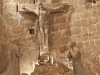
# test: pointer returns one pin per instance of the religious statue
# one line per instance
(44, 59)
(75, 56)
(43, 13)
(13, 68)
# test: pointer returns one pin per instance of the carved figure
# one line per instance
(43, 13)
(75, 55)
(13, 68)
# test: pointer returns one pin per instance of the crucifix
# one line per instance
(42, 11)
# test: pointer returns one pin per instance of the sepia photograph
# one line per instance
(49, 37)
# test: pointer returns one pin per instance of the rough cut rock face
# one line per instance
(49, 69)
(82, 26)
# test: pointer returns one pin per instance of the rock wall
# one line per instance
(82, 27)
(17, 29)
(3, 45)
(51, 69)
(59, 35)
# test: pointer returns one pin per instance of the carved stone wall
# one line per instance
(83, 28)
(1, 14)
(59, 35)
(3, 43)
(17, 29)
